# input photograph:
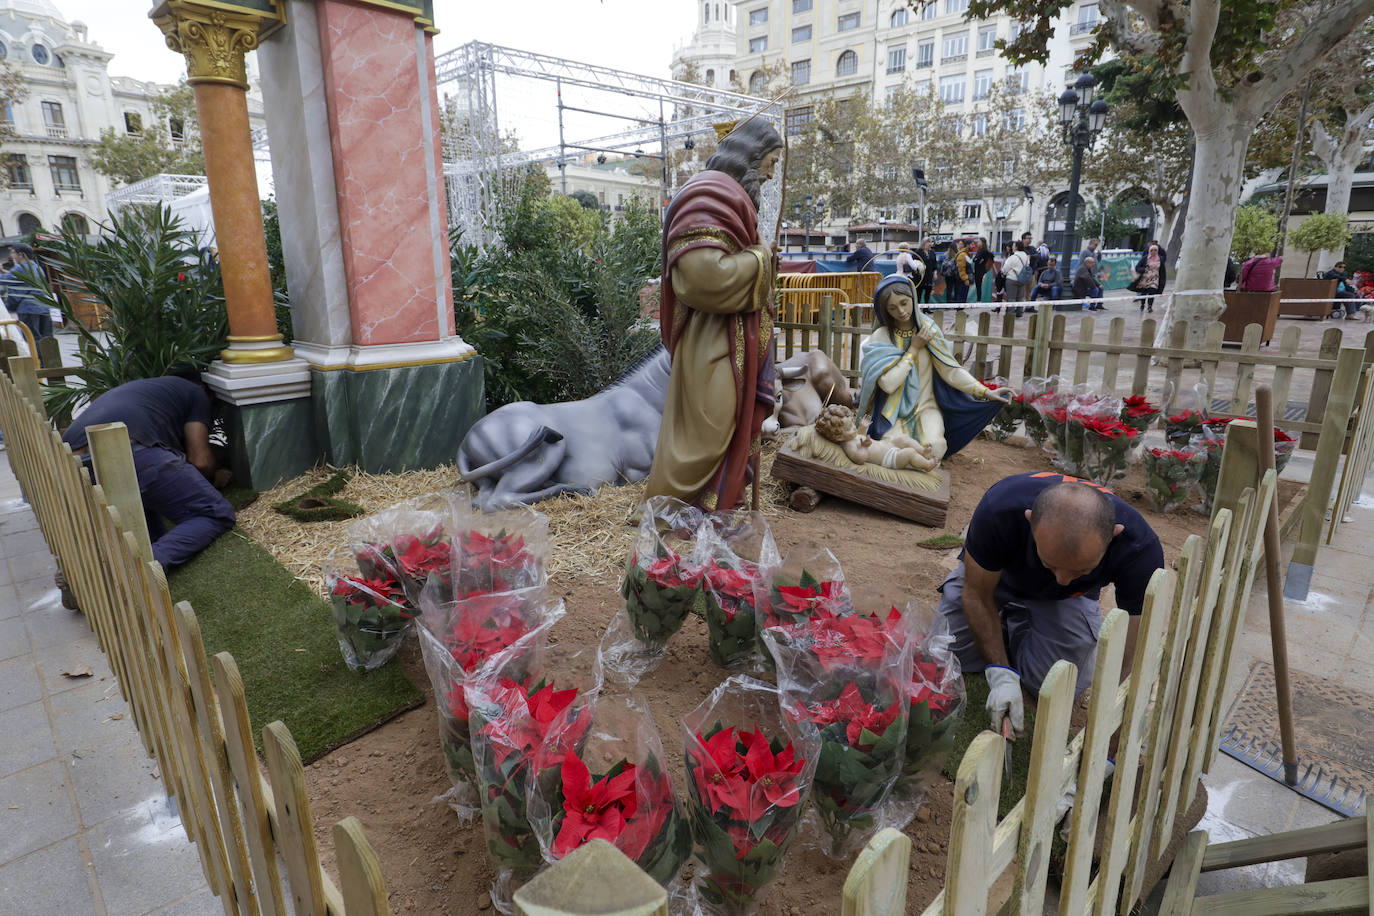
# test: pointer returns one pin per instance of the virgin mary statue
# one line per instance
(913, 387)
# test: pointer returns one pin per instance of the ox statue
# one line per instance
(525, 452)
(809, 381)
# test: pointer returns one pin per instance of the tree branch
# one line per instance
(1128, 40)
(1358, 126)
(1196, 63)
(1281, 72)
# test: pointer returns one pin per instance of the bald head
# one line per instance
(1072, 525)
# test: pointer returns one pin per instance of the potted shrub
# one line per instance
(1255, 233)
(1318, 232)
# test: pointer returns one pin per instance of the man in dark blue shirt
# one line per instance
(19, 287)
(860, 258)
(1039, 549)
(169, 429)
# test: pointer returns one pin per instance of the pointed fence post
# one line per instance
(597, 878)
(113, 458)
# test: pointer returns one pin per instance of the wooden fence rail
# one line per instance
(191, 714)
(1226, 375)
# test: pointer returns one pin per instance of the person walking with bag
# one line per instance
(1150, 274)
(1017, 274)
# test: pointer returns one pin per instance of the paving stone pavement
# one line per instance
(85, 823)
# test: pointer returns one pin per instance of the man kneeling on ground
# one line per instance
(1039, 549)
(169, 429)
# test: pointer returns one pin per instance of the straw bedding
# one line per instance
(589, 535)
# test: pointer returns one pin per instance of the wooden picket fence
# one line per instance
(1359, 456)
(1333, 379)
(1167, 712)
(190, 711)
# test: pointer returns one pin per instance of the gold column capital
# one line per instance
(213, 39)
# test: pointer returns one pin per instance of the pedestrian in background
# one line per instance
(932, 263)
(20, 285)
(982, 262)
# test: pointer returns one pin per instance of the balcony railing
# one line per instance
(57, 132)
(954, 58)
(1080, 28)
(924, 62)
(986, 52)
(21, 186)
(73, 188)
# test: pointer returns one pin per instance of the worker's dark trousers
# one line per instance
(173, 489)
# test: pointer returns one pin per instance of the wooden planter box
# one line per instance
(1306, 288)
(1246, 308)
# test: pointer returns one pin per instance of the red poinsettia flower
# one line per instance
(458, 703)
(593, 809)
(730, 583)
(535, 726)
(475, 637)
(850, 638)
(857, 714)
(1187, 417)
(769, 779)
(656, 802)
(800, 599)
(715, 773)
(418, 558)
(1281, 436)
(373, 591)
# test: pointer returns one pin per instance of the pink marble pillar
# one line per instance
(378, 75)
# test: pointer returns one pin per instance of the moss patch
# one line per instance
(282, 636)
(941, 542)
(318, 504)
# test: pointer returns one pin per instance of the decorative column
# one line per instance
(353, 122)
(266, 387)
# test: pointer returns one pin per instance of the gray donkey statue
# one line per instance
(526, 452)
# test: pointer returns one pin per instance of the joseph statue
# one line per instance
(716, 318)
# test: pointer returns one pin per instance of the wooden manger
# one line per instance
(924, 507)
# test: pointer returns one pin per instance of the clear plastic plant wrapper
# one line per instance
(371, 616)
(1171, 474)
(749, 772)
(809, 579)
(1004, 422)
(613, 787)
(497, 551)
(741, 557)
(850, 677)
(1032, 389)
(1108, 447)
(1212, 442)
(1138, 413)
(456, 637)
(1284, 444)
(936, 699)
(528, 706)
(662, 583)
(1086, 410)
(1186, 415)
(409, 539)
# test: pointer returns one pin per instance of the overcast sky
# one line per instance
(634, 35)
(627, 34)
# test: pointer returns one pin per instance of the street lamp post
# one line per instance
(1102, 230)
(882, 232)
(808, 216)
(919, 176)
(1081, 119)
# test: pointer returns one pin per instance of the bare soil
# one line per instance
(436, 865)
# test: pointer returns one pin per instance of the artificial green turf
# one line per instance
(975, 721)
(282, 636)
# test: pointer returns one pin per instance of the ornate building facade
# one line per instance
(71, 99)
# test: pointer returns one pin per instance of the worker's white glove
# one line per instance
(1004, 697)
(1065, 803)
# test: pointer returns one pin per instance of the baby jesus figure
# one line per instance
(836, 423)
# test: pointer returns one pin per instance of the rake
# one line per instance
(1328, 789)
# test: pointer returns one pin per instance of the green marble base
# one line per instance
(272, 442)
(387, 420)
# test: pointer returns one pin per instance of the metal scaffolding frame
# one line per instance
(475, 167)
